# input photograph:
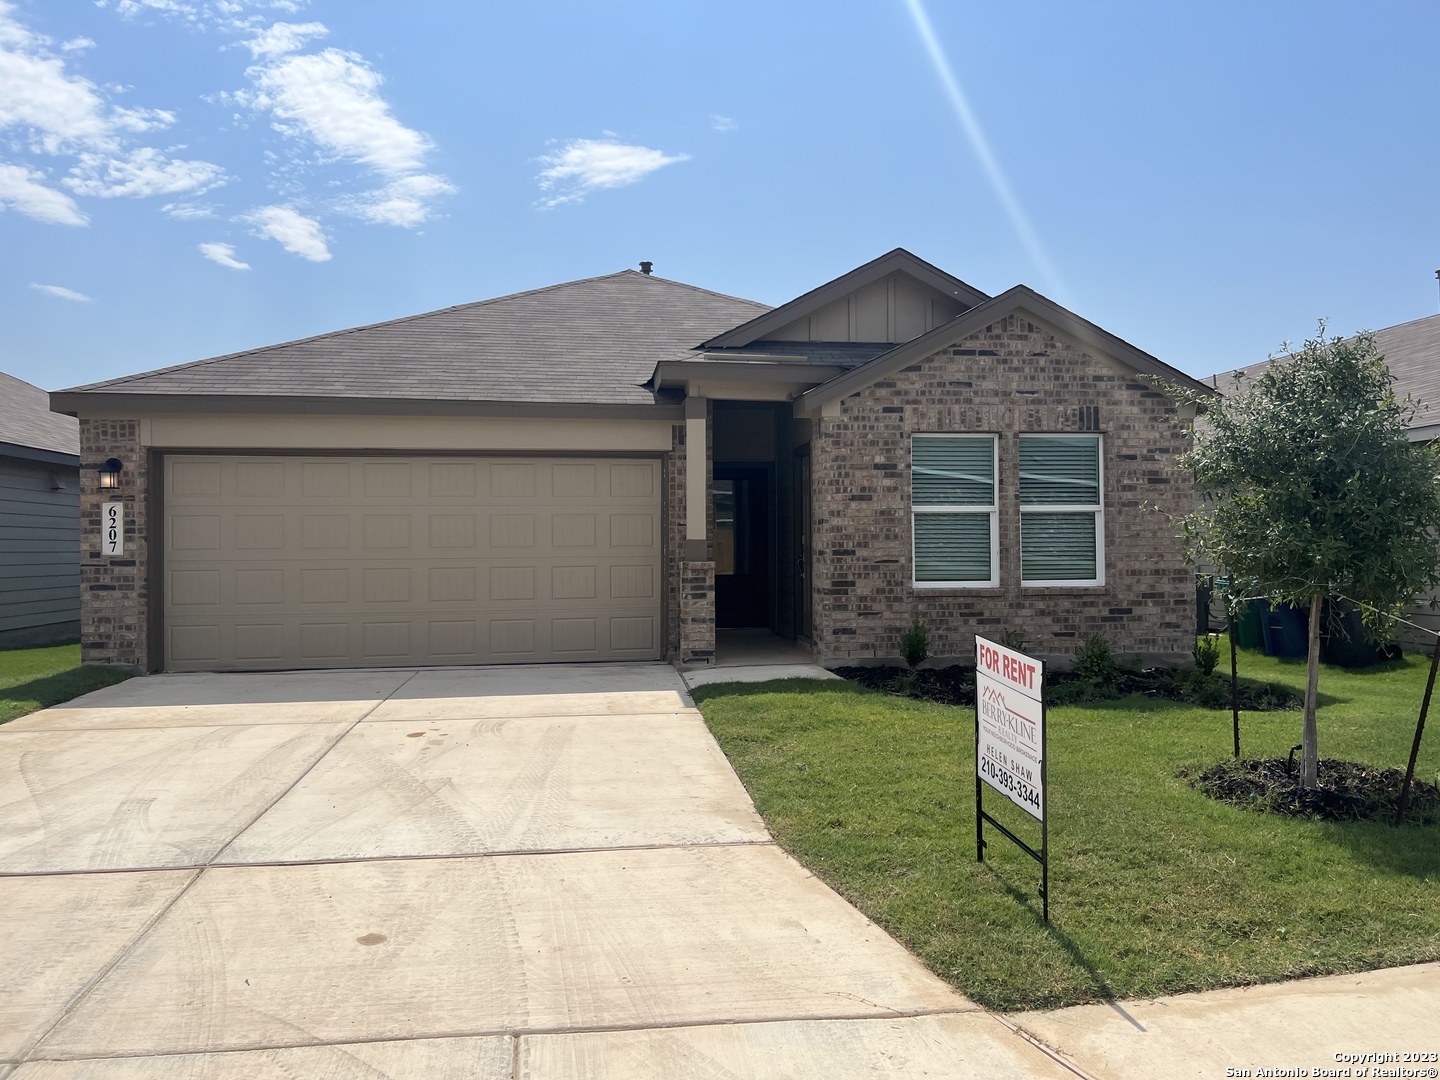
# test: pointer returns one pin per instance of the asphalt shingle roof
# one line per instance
(594, 341)
(1412, 352)
(26, 419)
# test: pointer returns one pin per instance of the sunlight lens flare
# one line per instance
(981, 146)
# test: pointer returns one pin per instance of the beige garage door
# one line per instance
(311, 562)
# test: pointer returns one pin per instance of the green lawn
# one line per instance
(33, 679)
(1154, 888)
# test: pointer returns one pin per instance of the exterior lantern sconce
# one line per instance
(110, 473)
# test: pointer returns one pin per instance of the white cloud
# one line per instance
(404, 201)
(60, 291)
(79, 44)
(140, 174)
(282, 38)
(229, 13)
(130, 8)
(55, 112)
(293, 231)
(185, 211)
(332, 98)
(722, 124)
(224, 254)
(585, 165)
(22, 189)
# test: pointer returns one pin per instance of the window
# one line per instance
(1061, 517)
(952, 499)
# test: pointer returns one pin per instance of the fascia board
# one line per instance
(20, 452)
(680, 372)
(93, 403)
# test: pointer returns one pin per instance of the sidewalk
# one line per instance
(1280, 1026)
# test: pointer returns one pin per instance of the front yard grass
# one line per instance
(1154, 888)
(32, 679)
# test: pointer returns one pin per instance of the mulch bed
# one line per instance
(955, 685)
(1347, 791)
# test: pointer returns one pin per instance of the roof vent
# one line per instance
(646, 267)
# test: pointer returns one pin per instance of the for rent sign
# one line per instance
(1010, 725)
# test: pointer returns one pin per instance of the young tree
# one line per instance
(1313, 489)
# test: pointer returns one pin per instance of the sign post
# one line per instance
(1010, 746)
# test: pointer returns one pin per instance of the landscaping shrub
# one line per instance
(915, 645)
(1095, 665)
(1207, 654)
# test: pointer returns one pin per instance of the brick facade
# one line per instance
(1015, 376)
(697, 614)
(113, 592)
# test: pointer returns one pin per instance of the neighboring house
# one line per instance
(39, 519)
(606, 469)
(1412, 353)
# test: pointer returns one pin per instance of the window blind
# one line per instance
(1059, 470)
(952, 547)
(952, 470)
(1057, 547)
(952, 491)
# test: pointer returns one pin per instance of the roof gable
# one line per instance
(1019, 298)
(594, 341)
(850, 306)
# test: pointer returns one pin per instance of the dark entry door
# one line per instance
(742, 547)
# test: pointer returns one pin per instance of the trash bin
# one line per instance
(1344, 641)
(1287, 630)
(1249, 631)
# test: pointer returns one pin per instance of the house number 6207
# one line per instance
(112, 528)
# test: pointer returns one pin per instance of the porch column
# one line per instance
(696, 486)
(697, 574)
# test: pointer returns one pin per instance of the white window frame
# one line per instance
(993, 510)
(1067, 508)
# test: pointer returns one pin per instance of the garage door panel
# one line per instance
(274, 562)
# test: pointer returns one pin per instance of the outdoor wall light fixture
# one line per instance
(110, 473)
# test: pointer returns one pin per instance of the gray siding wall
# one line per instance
(39, 553)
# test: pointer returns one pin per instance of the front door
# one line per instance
(742, 547)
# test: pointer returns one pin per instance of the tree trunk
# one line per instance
(1309, 737)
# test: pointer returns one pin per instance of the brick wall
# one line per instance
(1015, 376)
(113, 593)
(697, 614)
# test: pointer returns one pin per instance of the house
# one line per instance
(613, 468)
(1412, 353)
(39, 519)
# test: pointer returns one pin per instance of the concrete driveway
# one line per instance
(536, 872)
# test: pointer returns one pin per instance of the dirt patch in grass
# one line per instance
(955, 685)
(1347, 791)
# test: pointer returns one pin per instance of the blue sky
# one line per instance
(184, 178)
